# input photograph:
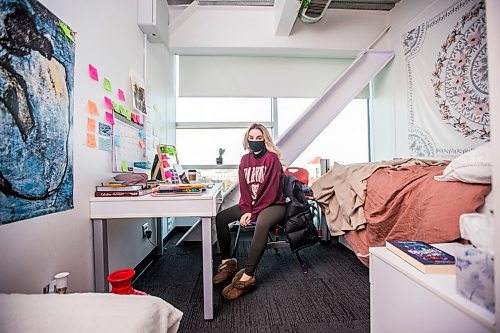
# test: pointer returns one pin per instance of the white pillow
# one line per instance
(474, 166)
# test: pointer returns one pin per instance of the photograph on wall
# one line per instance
(37, 56)
(138, 94)
(447, 70)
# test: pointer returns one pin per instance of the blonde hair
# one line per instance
(270, 146)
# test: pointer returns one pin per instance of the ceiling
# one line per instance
(384, 5)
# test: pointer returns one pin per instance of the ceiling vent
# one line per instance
(313, 10)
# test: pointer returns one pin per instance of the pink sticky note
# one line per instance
(109, 118)
(133, 117)
(141, 143)
(168, 174)
(93, 73)
(121, 95)
(108, 103)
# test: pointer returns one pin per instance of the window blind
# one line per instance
(252, 76)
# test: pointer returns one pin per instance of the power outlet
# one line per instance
(145, 228)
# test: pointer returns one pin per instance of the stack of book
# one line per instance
(179, 189)
(112, 190)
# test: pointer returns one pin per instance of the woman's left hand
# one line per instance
(245, 219)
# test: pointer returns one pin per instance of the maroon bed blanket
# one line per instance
(408, 204)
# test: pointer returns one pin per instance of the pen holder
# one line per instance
(192, 175)
(60, 283)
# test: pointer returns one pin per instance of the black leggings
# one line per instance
(267, 219)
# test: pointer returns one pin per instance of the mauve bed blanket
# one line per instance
(408, 204)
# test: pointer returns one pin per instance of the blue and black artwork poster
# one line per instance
(36, 112)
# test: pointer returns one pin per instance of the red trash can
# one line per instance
(121, 282)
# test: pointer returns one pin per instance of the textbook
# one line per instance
(117, 193)
(425, 257)
(181, 187)
(174, 193)
(121, 188)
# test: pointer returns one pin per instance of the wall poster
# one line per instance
(37, 56)
(447, 70)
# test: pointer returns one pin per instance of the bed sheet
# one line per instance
(87, 312)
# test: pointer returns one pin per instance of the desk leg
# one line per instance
(101, 269)
(208, 304)
(159, 236)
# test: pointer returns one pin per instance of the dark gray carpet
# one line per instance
(333, 297)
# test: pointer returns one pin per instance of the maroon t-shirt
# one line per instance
(261, 183)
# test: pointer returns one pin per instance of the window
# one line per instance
(344, 140)
(206, 124)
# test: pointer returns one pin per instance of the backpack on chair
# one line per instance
(299, 227)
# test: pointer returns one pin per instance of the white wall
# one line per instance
(493, 25)
(389, 104)
(32, 251)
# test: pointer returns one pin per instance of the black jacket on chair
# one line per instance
(299, 227)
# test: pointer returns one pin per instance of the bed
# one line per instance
(87, 312)
(405, 199)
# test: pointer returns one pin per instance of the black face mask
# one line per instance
(256, 146)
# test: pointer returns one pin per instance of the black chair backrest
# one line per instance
(299, 225)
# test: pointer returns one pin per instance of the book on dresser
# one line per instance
(423, 256)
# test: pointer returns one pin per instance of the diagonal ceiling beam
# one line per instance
(329, 105)
(285, 14)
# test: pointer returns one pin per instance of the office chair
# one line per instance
(300, 173)
(276, 242)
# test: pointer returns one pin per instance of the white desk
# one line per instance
(204, 206)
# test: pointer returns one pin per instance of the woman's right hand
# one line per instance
(245, 219)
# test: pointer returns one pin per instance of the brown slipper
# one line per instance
(226, 270)
(238, 288)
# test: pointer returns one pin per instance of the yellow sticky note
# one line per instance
(124, 166)
(92, 107)
(91, 125)
(107, 85)
(67, 31)
(141, 143)
(91, 140)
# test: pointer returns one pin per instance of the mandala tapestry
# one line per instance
(447, 68)
(36, 110)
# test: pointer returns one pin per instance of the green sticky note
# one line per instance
(171, 151)
(67, 31)
(127, 114)
(107, 85)
(155, 108)
(115, 107)
(122, 110)
(124, 166)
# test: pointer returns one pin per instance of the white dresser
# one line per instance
(402, 299)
